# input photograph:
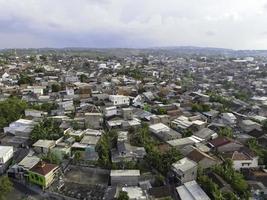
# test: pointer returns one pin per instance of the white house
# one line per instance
(6, 153)
(70, 91)
(244, 160)
(110, 111)
(118, 100)
(36, 89)
(66, 105)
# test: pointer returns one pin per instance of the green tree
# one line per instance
(55, 87)
(226, 132)
(48, 129)
(103, 149)
(53, 157)
(235, 179)
(123, 196)
(162, 111)
(11, 110)
(6, 186)
(83, 78)
(25, 79)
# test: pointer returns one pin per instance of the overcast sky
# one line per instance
(237, 24)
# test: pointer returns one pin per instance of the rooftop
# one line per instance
(125, 172)
(184, 164)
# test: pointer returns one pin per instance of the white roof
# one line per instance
(44, 143)
(131, 172)
(4, 150)
(25, 121)
(191, 191)
(181, 141)
(184, 164)
(159, 127)
(29, 161)
(79, 145)
(134, 192)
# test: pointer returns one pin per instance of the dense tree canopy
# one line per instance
(11, 110)
(25, 79)
(235, 179)
(46, 107)
(47, 129)
(6, 186)
(123, 196)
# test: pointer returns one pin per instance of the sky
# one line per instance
(235, 24)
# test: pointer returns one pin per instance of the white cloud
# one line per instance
(225, 23)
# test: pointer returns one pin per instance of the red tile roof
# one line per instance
(217, 142)
(43, 168)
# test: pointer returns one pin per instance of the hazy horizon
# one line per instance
(238, 24)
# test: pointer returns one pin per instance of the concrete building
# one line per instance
(184, 170)
(127, 113)
(21, 127)
(119, 100)
(44, 146)
(93, 120)
(110, 111)
(228, 118)
(191, 191)
(249, 125)
(6, 154)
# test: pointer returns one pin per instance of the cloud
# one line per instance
(133, 23)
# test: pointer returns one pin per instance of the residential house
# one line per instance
(6, 154)
(21, 127)
(205, 134)
(191, 191)
(119, 100)
(43, 174)
(93, 120)
(229, 118)
(243, 159)
(163, 132)
(202, 159)
(184, 170)
(249, 125)
(44, 146)
(223, 145)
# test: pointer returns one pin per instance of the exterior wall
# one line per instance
(238, 164)
(119, 100)
(43, 181)
(7, 156)
(111, 112)
(37, 179)
(187, 176)
(49, 178)
(127, 114)
(93, 121)
(42, 149)
(124, 180)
